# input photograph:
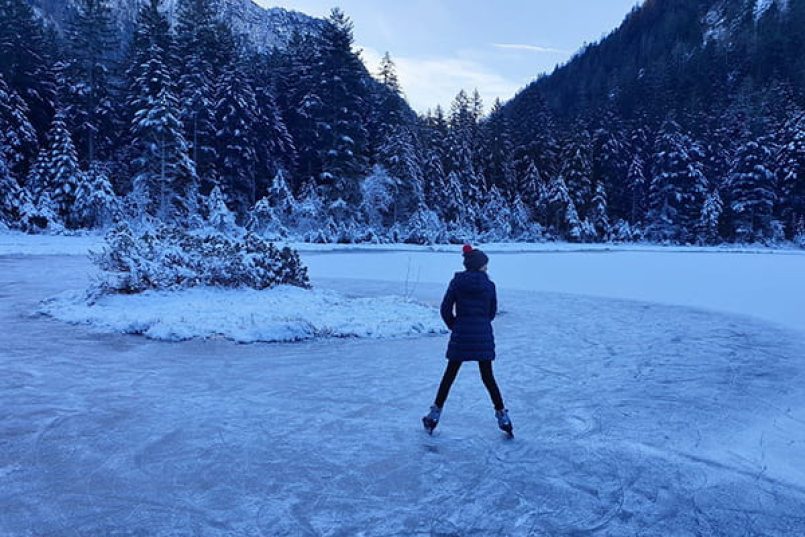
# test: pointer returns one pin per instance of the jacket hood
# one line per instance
(471, 281)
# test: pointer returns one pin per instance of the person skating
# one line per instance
(468, 308)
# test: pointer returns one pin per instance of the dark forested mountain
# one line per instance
(667, 109)
(263, 28)
(683, 54)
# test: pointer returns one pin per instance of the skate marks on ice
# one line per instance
(631, 419)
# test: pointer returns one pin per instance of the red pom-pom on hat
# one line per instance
(467, 249)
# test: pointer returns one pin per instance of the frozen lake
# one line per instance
(680, 411)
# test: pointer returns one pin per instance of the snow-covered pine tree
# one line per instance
(237, 118)
(13, 198)
(497, 158)
(790, 164)
(17, 135)
(611, 161)
(599, 213)
(400, 156)
(378, 192)
(564, 216)
(62, 173)
(26, 62)
(87, 93)
(462, 139)
(495, 218)
(388, 74)
(196, 41)
(454, 208)
(276, 151)
(281, 198)
(264, 220)
(434, 181)
(678, 186)
(531, 191)
(341, 142)
(636, 187)
(165, 180)
(219, 216)
(309, 213)
(752, 192)
(577, 170)
(96, 205)
(710, 220)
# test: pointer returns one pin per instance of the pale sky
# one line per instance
(443, 46)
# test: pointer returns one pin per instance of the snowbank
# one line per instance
(284, 313)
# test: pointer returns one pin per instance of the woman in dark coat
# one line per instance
(469, 306)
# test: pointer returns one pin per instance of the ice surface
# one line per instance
(632, 418)
(284, 313)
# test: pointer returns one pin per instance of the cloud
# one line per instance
(530, 48)
(436, 80)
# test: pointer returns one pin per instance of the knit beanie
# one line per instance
(474, 259)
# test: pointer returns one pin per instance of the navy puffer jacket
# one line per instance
(473, 295)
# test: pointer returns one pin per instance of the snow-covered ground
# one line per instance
(633, 417)
(280, 314)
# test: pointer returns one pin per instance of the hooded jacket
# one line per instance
(474, 298)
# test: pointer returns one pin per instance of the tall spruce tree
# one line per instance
(62, 173)
(26, 61)
(196, 43)
(341, 143)
(678, 186)
(790, 164)
(165, 184)
(88, 94)
(237, 118)
(17, 135)
(752, 192)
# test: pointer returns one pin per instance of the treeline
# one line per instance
(193, 127)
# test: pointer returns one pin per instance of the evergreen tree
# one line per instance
(636, 187)
(341, 143)
(219, 216)
(87, 91)
(611, 161)
(165, 183)
(13, 198)
(577, 170)
(62, 175)
(17, 135)
(565, 218)
(25, 61)
(96, 205)
(388, 74)
(678, 185)
(497, 158)
(196, 38)
(752, 193)
(399, 155)
(710, 220)
(280, 196)
(790, 164)
(237, 117)
(599, 213)
(275, 148)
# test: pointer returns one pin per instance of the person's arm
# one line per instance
(493, 306)
(448, 302)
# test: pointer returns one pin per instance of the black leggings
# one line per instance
(486, 375)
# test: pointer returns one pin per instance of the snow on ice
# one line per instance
(284, 313)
